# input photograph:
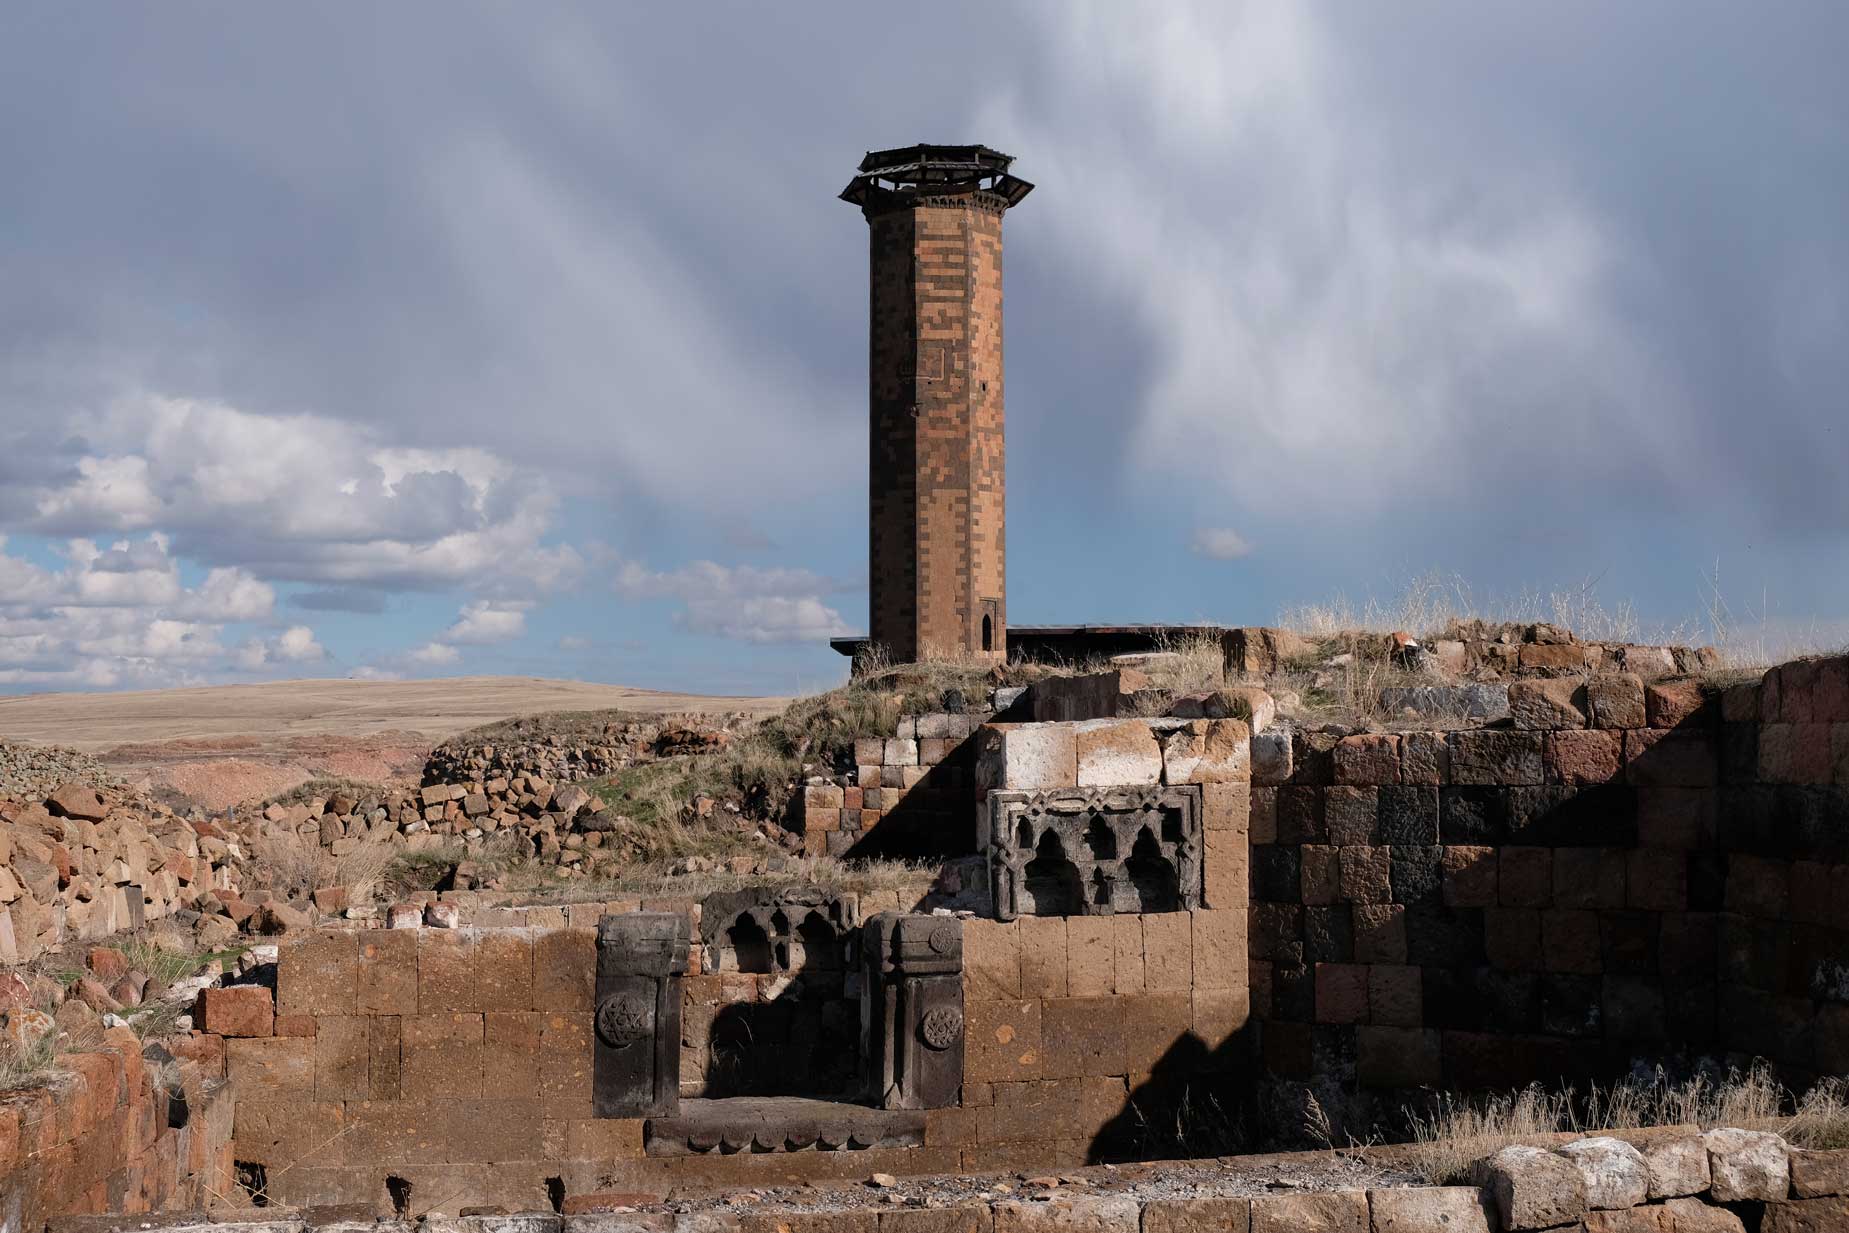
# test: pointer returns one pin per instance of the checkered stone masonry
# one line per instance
(938, 489)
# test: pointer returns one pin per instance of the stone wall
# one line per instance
(108, 1135)
(910, 795)
(1627, 870)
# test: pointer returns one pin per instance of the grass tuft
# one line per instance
(1458, 1132)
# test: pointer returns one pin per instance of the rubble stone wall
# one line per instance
(108, 1136)
(1626, 869)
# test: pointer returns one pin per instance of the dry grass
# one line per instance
(299, 865)
(863, 877)
(34, 1067)
(1428, 605)
(1188, 664)
(1457, 1133)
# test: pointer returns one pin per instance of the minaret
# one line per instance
(938, 575)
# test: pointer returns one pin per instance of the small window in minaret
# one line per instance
(988, 633)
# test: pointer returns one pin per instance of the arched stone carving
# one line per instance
(1095, 851)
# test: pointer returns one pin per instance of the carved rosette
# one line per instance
(625, 1018)
(941, 1028)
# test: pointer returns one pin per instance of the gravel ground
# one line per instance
(1231, 1177)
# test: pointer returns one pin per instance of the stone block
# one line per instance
(1546, 705)
(1532, 1188)
(1695, 1216)
(1090, 957)
(511, 1054)
(317, 973)
(1806, 1216)
(343, 1058)
(1081, 1036)
(1615, 700)
(1408, 816)
(1168, 952)
(564, 969)
(1043, 956)
(1023, 1112)
(1671, 704)
(1589, 878)
(1747, 1165)
(1525, 877)
(387, 972)
(1319, 874)
(1395, 995)
(1036, 757)
(1368, 759)
(1555, 657)
(1218, 944)
(1003, 1041)
(272, 1065)
(385, 1046)
(1615, 1173)
(1469, 876)
(1216, 1214)
(1424, 758)
(1116, 752)
(1272, 757)
(992, 959)
(1075, 1214)
(504, 970)
(1581, 757)
(1364, 874)
(1496, 757)
(1127, 953)
(1339, 1211)
(446, 972)
(1818, 1174)
(1349, 815)
(1629, 1220)
(1341, 993)
(1657, 881)
(1214, 751)
(237, 1010)
(1153, 1024)
(1380, 933)
(1226, 876)
(1671, 757)
(1429, 1209)
(441, 1056)
(1677, 1165)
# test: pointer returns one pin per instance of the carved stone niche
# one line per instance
(635, 1070)
(912, 1015)
(799, 932)
(1094, 851)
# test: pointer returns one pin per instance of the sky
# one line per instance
(453, 338)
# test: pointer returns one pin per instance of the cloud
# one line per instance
(304, 498)
(295, 645)
(744, 603)
(434, 654)
(1219, 544)
(342, 599)
(485, 621)
(120, 614)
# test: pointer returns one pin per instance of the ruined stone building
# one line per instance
(937, 479)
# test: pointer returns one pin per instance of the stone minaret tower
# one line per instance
(938, 576)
